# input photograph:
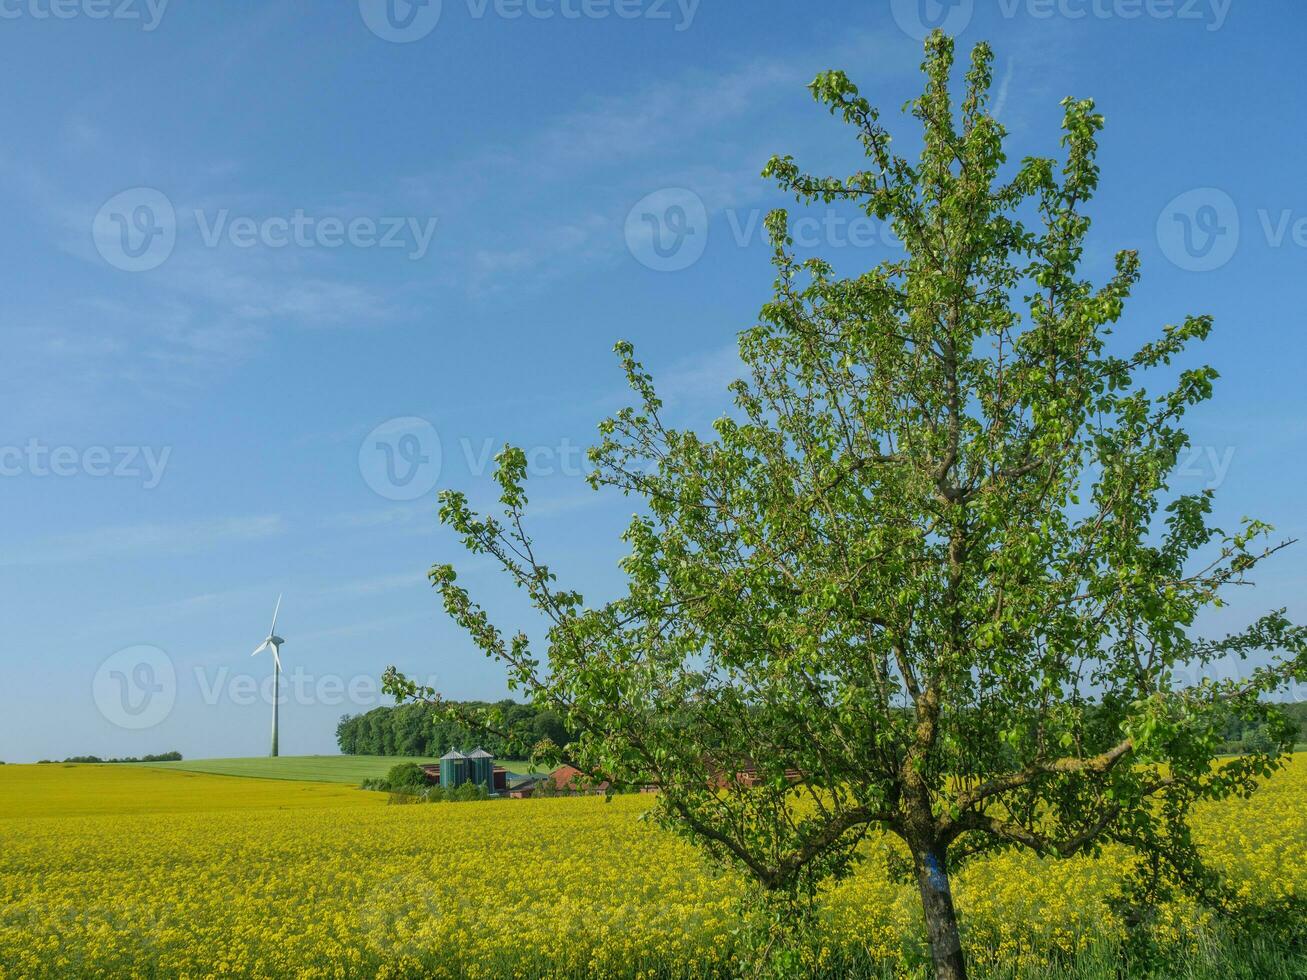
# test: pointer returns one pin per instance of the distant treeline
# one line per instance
(417, 730)
(162, 757)
(1243, 736)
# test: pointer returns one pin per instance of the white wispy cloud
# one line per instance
(145, 540)
(297, 595)
(1000, 97)
(542, 254)
(417, 514)
(367, 627)
(206, 308)
(646, 122)
(616, 129)
(702, 377)
(375, 585)
(613, 150)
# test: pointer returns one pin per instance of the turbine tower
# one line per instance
(273, 643)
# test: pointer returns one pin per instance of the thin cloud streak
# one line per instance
(146, 540)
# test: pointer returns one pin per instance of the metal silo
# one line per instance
(481, 768)
(453, 769)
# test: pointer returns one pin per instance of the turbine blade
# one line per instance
(273, 631)
(260, 648)
(277, 657)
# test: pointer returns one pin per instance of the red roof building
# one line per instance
(569, 779)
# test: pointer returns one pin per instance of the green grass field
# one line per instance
(351, 769)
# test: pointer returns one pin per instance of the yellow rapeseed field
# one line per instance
(124, 871)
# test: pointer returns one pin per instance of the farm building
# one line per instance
(456, 768)
(569, 779)
(477, 766)
(747, 778)
(522, 786)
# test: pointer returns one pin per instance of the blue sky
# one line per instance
(275, 272)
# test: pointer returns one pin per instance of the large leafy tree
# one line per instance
(930, 575)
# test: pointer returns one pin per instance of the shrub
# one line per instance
(468, 792)
(1258, 741)
(406, 774)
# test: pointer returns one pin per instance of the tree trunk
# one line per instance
(941, 919)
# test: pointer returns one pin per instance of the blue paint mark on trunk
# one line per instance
(935, 874)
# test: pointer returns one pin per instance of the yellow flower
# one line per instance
(110, 871)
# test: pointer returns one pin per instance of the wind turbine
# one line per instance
(273, 643)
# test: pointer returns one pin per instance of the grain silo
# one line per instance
(481, 768)
(453, 769)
